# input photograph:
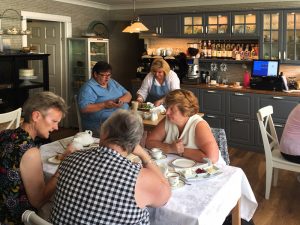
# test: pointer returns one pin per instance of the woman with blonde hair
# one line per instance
(183, 131)
(158, 83)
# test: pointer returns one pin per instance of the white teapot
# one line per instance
(84, 138)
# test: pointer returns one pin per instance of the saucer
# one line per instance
(54, 160)
(180, 184)
(183, 163)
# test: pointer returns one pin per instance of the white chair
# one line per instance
(10, 120)
(31, 218)
(78, 113)
(274, 159)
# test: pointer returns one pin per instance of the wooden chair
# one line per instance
(31, 218)
(274, 159)
(10, 120)
(78, 113)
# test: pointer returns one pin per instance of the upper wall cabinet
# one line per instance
(213, 25)
(162, 25)
(244, 24)
(281, 35)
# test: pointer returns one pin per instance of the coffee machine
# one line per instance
(193, 73)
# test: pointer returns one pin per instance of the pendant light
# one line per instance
(135, 26)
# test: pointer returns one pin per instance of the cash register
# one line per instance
(264, 75)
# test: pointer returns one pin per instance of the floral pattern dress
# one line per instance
(13, 198)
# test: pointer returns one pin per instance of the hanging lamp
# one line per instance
(136, 26)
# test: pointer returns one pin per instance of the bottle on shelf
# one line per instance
(209, 50)
(213, 50)
(246, 79)
(228, 51)
(233, 53)
(219, 52)
(204, 49)
(246, 53)
(237, 52)
(223, 51)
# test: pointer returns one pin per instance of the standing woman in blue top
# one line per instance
(100, 96)
(158, 83)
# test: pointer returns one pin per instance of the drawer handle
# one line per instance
(239, 94)
(211, 116)
(211, 92)
(276, 97)
(278, 125)
(239, 120)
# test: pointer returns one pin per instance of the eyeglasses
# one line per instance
(104, 74)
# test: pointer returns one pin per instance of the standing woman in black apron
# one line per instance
(159, 82)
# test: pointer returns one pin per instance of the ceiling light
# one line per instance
(135, 26)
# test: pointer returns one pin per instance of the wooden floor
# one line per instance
(283, 207)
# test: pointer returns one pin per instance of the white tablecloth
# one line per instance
(204, 202)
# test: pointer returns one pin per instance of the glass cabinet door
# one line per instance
(271, 31)
(292, 36)
(193, 25)
(244, 23)
(98, 52)
(217, 24)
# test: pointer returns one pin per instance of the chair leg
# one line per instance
(275, 179)
(269, 173)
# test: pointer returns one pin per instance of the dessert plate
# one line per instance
(183, 163)
(54, 160)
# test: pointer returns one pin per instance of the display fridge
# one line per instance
(83, 54)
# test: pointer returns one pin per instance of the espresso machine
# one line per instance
(193, 73)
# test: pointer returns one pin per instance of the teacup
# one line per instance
(156, 153)
(164, 169)
(173, 178)
(237, 84)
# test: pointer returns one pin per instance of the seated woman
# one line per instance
(101, 186)
(22, 183)
(100, 96)
(183, 131)
(290, 139)
(158, 83)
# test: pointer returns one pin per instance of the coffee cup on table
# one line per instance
(134, 105)
(173, 179)
(156, 153)
(237, 84)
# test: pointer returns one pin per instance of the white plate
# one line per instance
(53, 160)
(212, 171)
(183, 163)
(180, 184)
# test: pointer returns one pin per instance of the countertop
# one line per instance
(231, 88)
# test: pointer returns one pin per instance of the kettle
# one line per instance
(84, 138)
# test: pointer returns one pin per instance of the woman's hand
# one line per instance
(178, 147)
(112, 104)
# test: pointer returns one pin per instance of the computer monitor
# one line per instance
(265, 68)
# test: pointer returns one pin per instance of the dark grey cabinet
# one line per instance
(240, 105)
(217, 121)
(245, 24)
(240, 131)
(212, 102)
(162, 25)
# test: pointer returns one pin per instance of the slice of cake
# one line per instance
(26, 72)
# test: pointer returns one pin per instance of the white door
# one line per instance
(46, 37)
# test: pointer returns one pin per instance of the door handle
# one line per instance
(232, 29)
(279, 55)
(239, 120)
(284, 56)
(278, 98)
(206, 29)
(278, 125)
(156, 30)
(211, 92)
(210, 116)
(159, 30)
(239, 94)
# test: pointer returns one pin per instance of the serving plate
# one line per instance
(183, 163)
(209, 173)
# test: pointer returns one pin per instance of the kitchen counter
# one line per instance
(137, 82)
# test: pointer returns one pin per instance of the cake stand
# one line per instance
(27, 79)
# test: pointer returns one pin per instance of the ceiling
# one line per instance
(123, 9)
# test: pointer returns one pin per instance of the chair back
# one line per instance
(78, 113)
(268, 132)
(31, 218)
(10, 120)
(220, 136)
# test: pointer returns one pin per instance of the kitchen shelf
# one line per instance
(232, 61)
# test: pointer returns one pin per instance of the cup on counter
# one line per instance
(237, 83)
(134, 105)
(156, 153)
(173, 178)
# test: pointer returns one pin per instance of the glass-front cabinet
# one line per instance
(271, 35)
(193, 25)
(244, 23)
(84, 53)
(292, 36)
(218, 24)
